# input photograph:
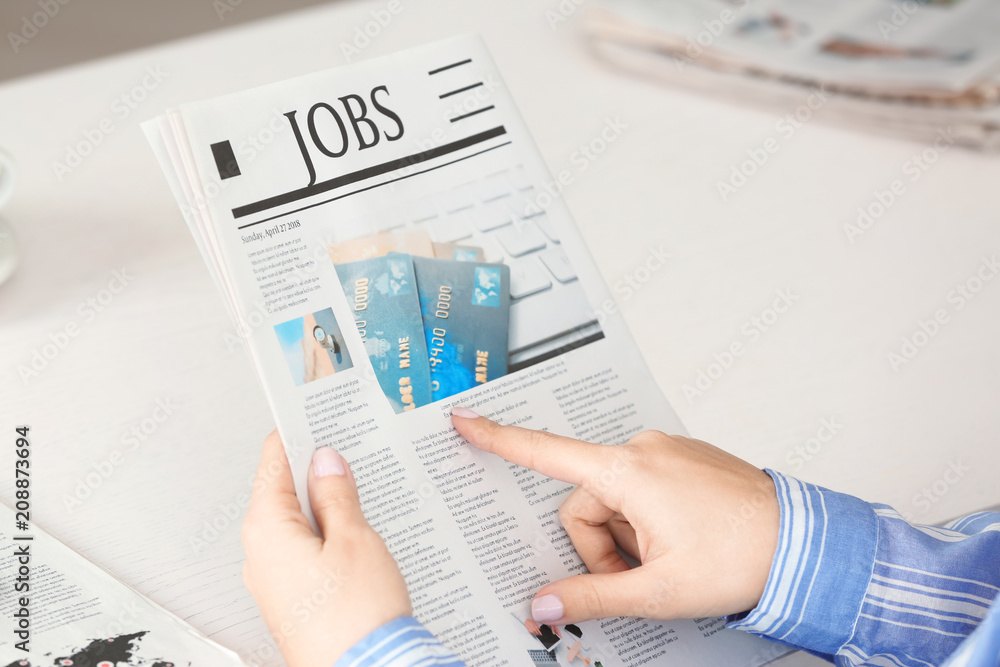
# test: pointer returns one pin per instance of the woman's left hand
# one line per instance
(318, 595)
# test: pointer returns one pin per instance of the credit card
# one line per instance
(414, 242)
(383, 294)
(459, 253)
(466, 314)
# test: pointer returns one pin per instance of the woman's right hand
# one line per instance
(703, 523)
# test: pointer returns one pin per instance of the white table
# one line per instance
(165, 336)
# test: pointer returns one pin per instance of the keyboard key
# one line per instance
(557, 262)
(451, 228)
(527, 277)
(420, 210)
(491, 249)
(456, 200)
(520, 238)
(547, 315)
(523, 205)
(545, 224)
(491, 188)
(519, 179)
(491, 216)
(391, 219)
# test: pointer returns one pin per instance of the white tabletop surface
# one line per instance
(166, 337)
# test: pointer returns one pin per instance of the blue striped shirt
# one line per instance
(852, 582)
(857, 584)
(403, 642)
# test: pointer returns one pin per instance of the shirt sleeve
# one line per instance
(403, 642)
(857, 584)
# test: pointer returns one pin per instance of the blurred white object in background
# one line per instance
(876, 68)
(8, 245)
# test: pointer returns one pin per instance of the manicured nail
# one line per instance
(546, 609)
(464, 412)
(326, 461)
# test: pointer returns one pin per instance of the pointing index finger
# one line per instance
(565, 459)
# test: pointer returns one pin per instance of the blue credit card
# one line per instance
(383, 294)
(466, 314)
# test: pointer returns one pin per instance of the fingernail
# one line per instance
(546, 609)
(326, 462)
(464, 412)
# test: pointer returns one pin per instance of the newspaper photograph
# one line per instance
(75, 613)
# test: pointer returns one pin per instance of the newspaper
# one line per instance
(68, 611)
(391, 245)
(909, 66)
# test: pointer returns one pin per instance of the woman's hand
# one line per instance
(318, 595)
(703, 523)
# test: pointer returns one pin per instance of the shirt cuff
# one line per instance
(400, 642)
(821, 569)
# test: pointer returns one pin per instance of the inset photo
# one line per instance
(500, 224)
(313, 346)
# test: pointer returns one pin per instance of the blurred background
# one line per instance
(96, 28)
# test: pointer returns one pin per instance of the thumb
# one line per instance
(589, 596)
(333, 493)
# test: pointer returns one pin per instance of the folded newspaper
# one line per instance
(911, 67)
(385, 239)
(67, 611)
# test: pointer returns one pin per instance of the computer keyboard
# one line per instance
(549, 311)
(541, 658)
